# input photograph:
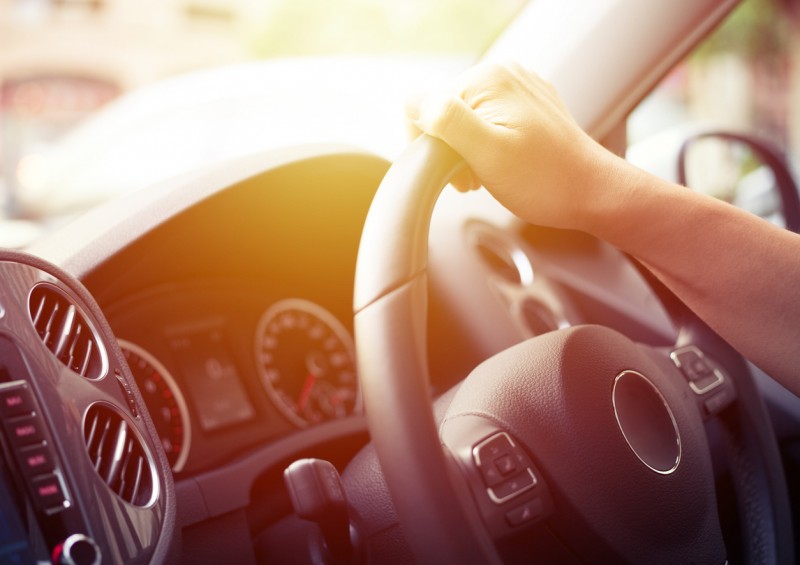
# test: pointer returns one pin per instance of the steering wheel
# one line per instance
(579, 436)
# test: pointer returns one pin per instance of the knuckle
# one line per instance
(501, 72)
(445, 114)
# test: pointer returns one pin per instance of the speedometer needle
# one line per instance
(305, 394)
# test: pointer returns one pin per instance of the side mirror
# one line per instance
(746, 171)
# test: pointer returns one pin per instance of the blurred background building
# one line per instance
(61, 60)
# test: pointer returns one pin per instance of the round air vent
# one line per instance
(503, 258)
(118, 455)
(66, 332)
(538, 318)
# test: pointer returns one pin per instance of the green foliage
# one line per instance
(306, 27)
(757, 28)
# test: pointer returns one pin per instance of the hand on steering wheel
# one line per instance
(568, 410)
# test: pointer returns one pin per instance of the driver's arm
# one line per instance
(736, 271)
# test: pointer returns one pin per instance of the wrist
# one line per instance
(609, 183)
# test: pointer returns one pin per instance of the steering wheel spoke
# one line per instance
(508, 489)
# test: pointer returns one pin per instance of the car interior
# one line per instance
(312, 354)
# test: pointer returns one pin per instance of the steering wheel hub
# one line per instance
(565, 396)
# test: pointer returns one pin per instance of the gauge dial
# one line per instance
(306, 360)
(164, 401)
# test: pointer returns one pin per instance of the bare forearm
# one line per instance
(736, 271)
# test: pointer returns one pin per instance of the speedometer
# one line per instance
(164, 401)
(306, 361)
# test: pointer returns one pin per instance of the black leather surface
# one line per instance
(554, 394)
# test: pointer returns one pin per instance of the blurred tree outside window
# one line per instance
(744, 78)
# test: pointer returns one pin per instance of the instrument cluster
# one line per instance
(211, 394)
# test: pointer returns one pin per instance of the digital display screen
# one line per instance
(213, 381)
(14, 546)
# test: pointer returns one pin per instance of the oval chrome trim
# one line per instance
(666, 408)
(87, 320)
(327, 318)
(156, 476)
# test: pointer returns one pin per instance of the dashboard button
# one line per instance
(77, 549)
(36, 460)
(25, 431)
(48, 493)
(16, 402)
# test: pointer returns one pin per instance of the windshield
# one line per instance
(66, 65)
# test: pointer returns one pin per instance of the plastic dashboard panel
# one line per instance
(231, 221)
(123, 532)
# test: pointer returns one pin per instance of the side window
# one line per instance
(743, 80)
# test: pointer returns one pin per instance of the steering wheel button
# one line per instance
(491, 476)
(685, 356)
(719, 401)
(493, 448)
(525, 513)
(700, 367)
(706, 380)
(699, 371)
(512, 487)
(506, 465)
(708, 383)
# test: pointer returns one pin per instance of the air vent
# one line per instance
(65, 331)
(118, 455)
(538, 318)
(503, 258)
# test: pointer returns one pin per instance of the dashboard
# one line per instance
(219, 309)
(226, 298)
(229, 294)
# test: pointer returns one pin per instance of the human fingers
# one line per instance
(463, 179)
(443, 113)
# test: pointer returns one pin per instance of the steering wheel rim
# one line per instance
(390, 327)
